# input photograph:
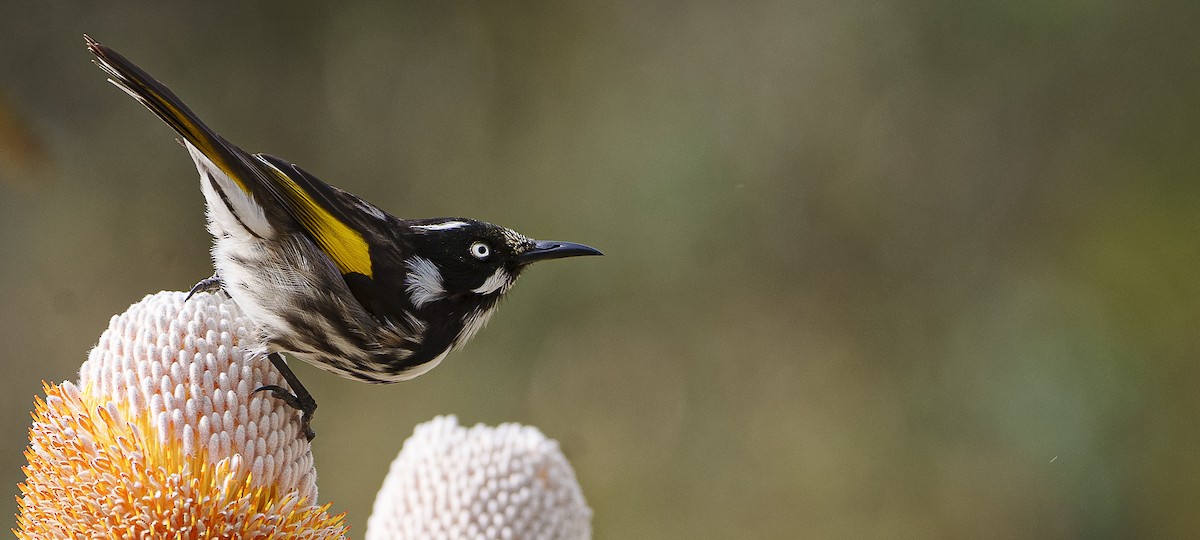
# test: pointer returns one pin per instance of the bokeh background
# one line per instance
(920, 269)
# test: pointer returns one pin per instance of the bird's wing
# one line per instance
(318, 208)
(345, 227)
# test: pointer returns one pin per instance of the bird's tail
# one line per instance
(259, 194)
(164, 103)
(240, 185)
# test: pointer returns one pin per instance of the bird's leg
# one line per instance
(300, 400)
(209, 284)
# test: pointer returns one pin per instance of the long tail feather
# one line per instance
(244, 187)
(161, 101)
(264, 184)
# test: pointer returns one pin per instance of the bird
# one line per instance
(327, 277)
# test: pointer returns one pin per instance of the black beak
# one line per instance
(544, 250)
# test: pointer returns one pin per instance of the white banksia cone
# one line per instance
(164, 437)
(506, 482)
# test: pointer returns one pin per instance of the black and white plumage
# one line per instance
(328, 277)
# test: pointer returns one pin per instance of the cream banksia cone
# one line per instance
(163, 437)
(507, 482)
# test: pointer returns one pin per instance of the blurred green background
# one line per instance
(874, 269)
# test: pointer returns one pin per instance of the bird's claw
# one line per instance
(208, 284)
(298, 398)
(305, 404)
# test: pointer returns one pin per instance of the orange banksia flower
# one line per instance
(164, 437)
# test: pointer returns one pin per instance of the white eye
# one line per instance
(480, 250)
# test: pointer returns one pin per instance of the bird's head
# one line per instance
(464, 259)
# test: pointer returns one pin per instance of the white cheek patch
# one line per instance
(423, 282)
(444, 226)
(498, 281)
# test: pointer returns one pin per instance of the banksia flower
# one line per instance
(504, 482)
(164, 437)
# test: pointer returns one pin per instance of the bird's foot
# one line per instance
(209, 284)
(298, 398)
(305, 404)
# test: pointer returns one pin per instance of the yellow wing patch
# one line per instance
(344, 245)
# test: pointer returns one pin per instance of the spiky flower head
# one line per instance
(504, 482)
(164, 437)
